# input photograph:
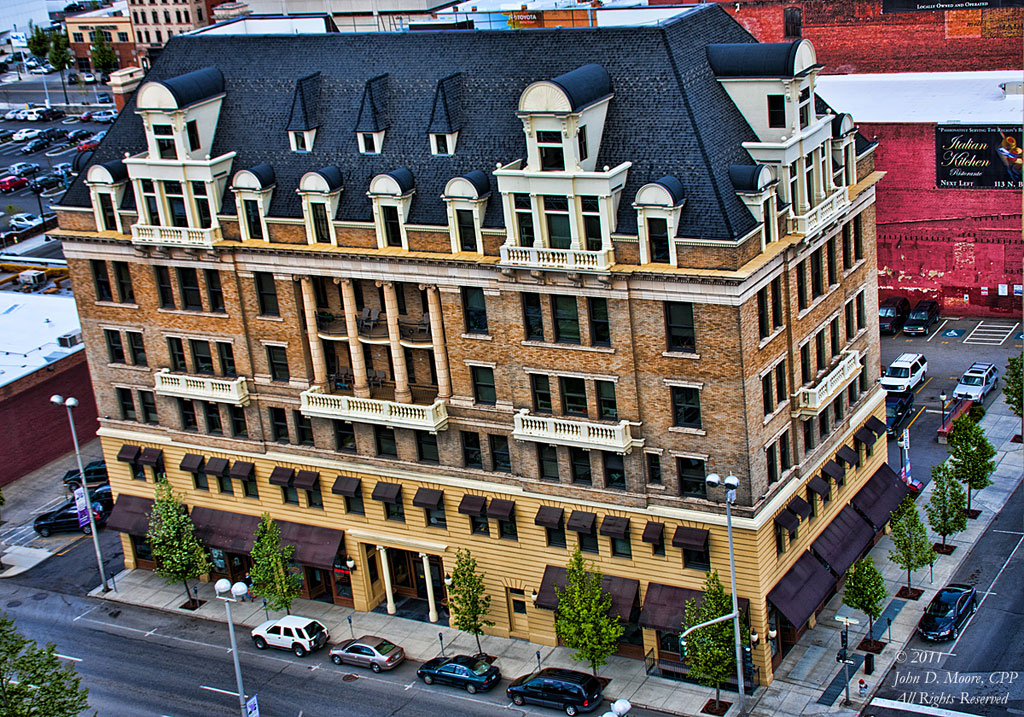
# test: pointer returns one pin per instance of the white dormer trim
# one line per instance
(762, 205)
(459, 193)
(247, 186)
(450, 139)
(653, 201)
(156, 106)
(301, 141)
(99, 181)
(362, 140)
(313, 188)
(385, 192)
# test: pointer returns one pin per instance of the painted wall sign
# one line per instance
(978, 157)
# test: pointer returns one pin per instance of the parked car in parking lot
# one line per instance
(368, 651)
(91, 142)
(977, 381)
(23, 169)
(33, 115)
(947, 613)
(892, 314)
(568, 690)
(23, 135)
(88, 78)
(104, 116)
(62, 168)
(301, 635)
(12, 183)
(77, 135)
(23, 221)
(905, 373)
(104, 98)
(95, 474)
(922, 317)
(45, 181)
(35, 145)
(64, 518)
(6, 134)
(54, 133)
(12, 114)
(898, 405)
(470, 673)
(72, 78)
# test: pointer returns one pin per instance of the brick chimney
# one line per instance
(123, 83)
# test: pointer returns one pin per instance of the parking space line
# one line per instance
(915, 417)
(1009, 333)
(936, 333)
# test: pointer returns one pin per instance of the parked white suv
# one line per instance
(977, 381)
(905, 373)
(301, 635)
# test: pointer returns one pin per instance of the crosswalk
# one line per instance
(24, 535)
(989, 333)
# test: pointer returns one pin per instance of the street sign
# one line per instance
(252, 707)
(953, 333)
(82, 507)
(905, 468)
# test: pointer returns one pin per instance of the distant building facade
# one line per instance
(116, 26)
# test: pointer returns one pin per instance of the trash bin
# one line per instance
(869, 664)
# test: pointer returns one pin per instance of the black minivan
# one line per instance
(569, 690)
(924, 314)
(892, 314)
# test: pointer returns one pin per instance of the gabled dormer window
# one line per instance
(466, 199)
(443, 144)
(164, 134)
(320, 192)
(658, 207)
(370, 142)
(107, 184)
(806, 110)
(302, 141)
(253, 190)
(552, 153)
(391, 194)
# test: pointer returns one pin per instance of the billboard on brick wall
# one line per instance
(931, 5)
(978, 157)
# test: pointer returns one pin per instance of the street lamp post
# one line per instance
(231, 593)
(903, 459)
(942, 397)
(731, 482)
(69, 403)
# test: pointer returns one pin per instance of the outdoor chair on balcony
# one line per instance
(363, 319)
(342, 380)
(376, 378)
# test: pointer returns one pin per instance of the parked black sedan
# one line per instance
(35, 145)
(64, 519)
(77, 135)
(44, 182)
(472, 674)
(947, 613)
(95, 474)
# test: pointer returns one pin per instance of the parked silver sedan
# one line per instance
(368, 651)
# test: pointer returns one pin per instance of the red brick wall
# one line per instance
(35, 431)
(942, 243)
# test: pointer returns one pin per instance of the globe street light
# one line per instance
(69, 403)
(232, 593)
(942, 397)
(731, 483)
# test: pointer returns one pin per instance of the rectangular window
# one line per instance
(211, 411)
(253, 219)
(817, 278)
(590, 207)
(441, 144)
(772, 464)
(164, 144)
(607, 409)
(126, 403)
(176, 351)
(266, 292)
(806, 375)
(847, 248)
(778, 320)
(579, 463)
(574, 396)
(691, 477)
(471, 454)
(321, 228)
(239, 428)
(551, 154)
(823, 424)
(474, 309)
(227, 359)
(556, 215)
(837, 407)
(781, 395)
(679, 327)
(801, 285)
(657, 240)
(780, 540)
(465, 229)
(303, 429)
(192, 130)
(224, 485)
(369, 143)
(501, 458)
(148, 403)
(834, 336)
(767, 394)
(426, 447)
(588, 542)
(763, 319)
(654, 468)
(136, 348)
(202, 359)
(581, 142)
(621, 547)
(614, 471)
(214, 292)
(819, 350)
(794, 189)
(851, 326)
(697, 559)
(278, 425)
(435, 516)
(107, 213)
(163, 287)
(556, 536)
(524, 218)
(785, 462)
(566, 319)
(394, 511)
(277, 360)
(188, 289)
(858, 238)
(249, 488)
(290, 495)
(202, 205)
(101, 280)
(483, 385)
(385, 441)
(176, 203)
(860, 311)
(187, 413)
(808, 429)
(533, 317)
(478, 525)
(392, 225)
(547, 458)
(354, 506)
(830, 258)
(686, 407)
(600, 328)
(115, 349)
(507, 529)
(200, 481)
(344, 437)
(776, 111)
(540, 385)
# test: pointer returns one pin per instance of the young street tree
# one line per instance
(1013, 386)
(945, 509)
(33, 680)
(468, 598)
(271, 573)
(60, 58)
(971, 456)
(178, 553)
(39, 42)
(910, 546)
(711, 650)
(103, 58)
(582, 619)
(865, 591)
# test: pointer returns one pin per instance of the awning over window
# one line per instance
(834, 471)
(501, 509)
(192, 463)
(654, 533)
(820, 486)
(665, 606)
(848, 456)
(346, 486)
(216, 467)
(581, 522)
(281, 476)
(788, 521)
(428, 498)
(843, 541)
(129, 454)
(243, 470)
(880, 496)
(475, 505)
(548, 516)
(233, 532)
(800, 591)
(875, 425)
(387, 492)
(130, 515)
(306, 480)
(152, 457)
(865, 436)
(615, 527)
(799, 506)
(314, 546)
(690, 538)
(623, 591)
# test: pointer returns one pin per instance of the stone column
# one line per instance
(444, 383)
(386, 572)
(355, 346)
(316, 349)
(432, 615)
(402, 392)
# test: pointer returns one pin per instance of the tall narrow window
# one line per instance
(763, 318)
(211, 411)
(614, 471)
(524, 218)
(163, 287)
(607, 409)
(556, 214)
(321, 229)
(303, 429)
(533, 317)
(227, 359)
(176, 351)
(471, 454)
(392, 225)
(778, 320)
(253, 219)
(426, 447)
(239, 427)
(202, 359)
(657, 239)
(806, 374)
(600, 328)
(278, 424)
(187, 414)
(501, 458)
(552, 157)
(465, 228)
(686, 407)
(277, 360)
(579, 465)
(540, 386)
(126, 403)
(101, 280)
(574, 396)
(679, 327)
(830, 257)
(266, 292)
(164, 134)
(148, 403)
(847, 248)
(776, 111)
(107, 212)
(214, 292)
(591, 210)
(176, 203)
(136, 348)
(202, 201)
(566, 319)
(192, 130)
(115, 349)
(149, 202)
(654, 468)
(581, 142)
(817, 279)
(188, 288)
(547, 459)
(483, 385)
(344, 437)
(801, 285)
(474, 309)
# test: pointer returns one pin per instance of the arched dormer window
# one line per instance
(107, 183)
(180, 114)
(658, 207)
(466, 199)
(391, 194)
(755, 184)
(320, 192)
(253, 190)
(844, 156)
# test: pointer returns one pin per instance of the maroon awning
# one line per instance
(475, 505)
(581, 521)
(549, 516)
(800, 507)
(623, 591)
(848, 456)
(282, 476)
(843, 541)
(802, 589)
(233, 532)
(390, 493)
(152, 457)
(788, 521)
(428, 498)
(192, 463)
(875, 425)
(243, 470)
(314, 546)
(820, 486)
(690, 538)
(865, 436)
(128, 453)
(880, 496)
(654, 533)
(130, 515)
(615, 527)
(834, 471)
(216, 467)
(501, 509)
(665, 606)
(346, 486)
(306, 480)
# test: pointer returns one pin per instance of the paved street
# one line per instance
(30, 89)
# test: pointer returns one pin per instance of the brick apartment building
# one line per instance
(155, 23)
(415, 300)
(116, 26)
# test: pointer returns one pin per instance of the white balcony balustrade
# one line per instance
(534, 257)
(821, 213)
(568, 432)
(432, 417)
(150, 235)
(204, 388)
(811, 400)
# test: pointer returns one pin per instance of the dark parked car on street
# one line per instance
(892, 314)
(923, 316)
(95, 474)
(898, 405)
(472, 674)
(947, 613)
(44, 182)
(568, 690)
(64, 519)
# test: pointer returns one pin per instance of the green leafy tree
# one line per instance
(945, 509)
(1013, 386)
(39, 42)
(33, 680)
(971, 456)
(911, 548)
(468, 598)
(711, 650)
(865, 591)
(103, 57)
(583, 621)
(271, 573)
(178, 553)
(60, 58)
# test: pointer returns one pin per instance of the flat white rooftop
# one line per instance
(925, 97)
(30, 325)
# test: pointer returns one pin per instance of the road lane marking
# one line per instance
(937, 330)
(918, 709)
(923, 385)
(68, 657)
(915, 417)
(986, 593)
(216, 689)
(1008, 532)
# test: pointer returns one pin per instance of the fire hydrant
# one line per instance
(862, 688)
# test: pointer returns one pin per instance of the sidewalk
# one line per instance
(799, 682)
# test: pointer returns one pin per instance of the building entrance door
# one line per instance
(403, 566)
(233, 566)
(517, 621)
